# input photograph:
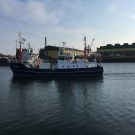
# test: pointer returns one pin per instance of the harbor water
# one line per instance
(69, 106)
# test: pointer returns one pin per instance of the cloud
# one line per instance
(6, 7)
(31, 10)
(111, 9)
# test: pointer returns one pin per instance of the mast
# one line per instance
(16, 43)
(84, 48)
(20, 49)
(63, 46)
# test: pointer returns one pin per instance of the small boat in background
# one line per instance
(28, 65)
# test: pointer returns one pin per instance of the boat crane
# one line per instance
(92, 43)
(89, 46)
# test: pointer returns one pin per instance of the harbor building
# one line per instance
(117, 52)
(52, 52)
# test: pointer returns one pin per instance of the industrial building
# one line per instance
(117, 52)
(52, 52)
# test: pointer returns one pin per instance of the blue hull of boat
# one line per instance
(20, 70)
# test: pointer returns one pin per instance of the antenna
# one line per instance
(63, 44)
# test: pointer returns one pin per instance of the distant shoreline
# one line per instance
(4, 62)
(118, 59)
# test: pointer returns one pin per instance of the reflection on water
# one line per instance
(66, 106)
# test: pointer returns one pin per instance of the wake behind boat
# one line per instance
(65, 66)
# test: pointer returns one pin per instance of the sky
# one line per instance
(107, 21)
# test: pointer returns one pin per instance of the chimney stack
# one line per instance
(45, 42)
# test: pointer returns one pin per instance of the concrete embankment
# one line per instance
(118, 59)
